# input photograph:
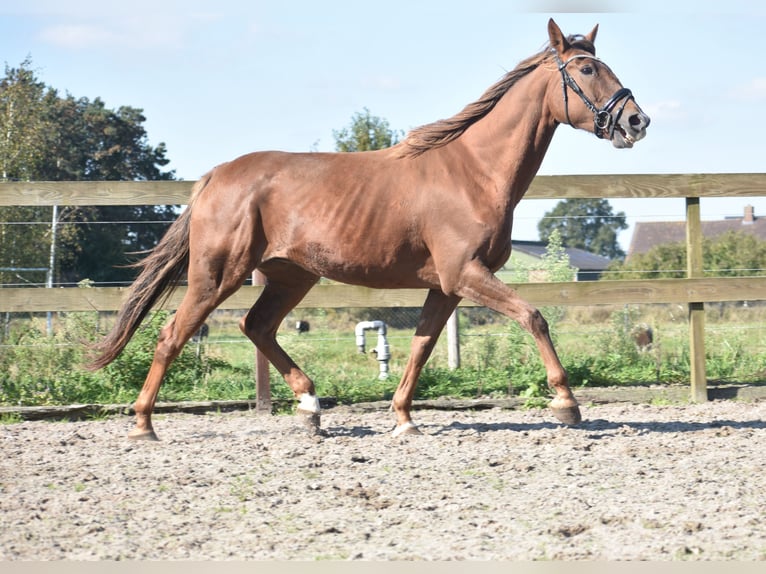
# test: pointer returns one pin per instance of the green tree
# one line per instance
(554, 267)
(587, 224)
(93, 142)
(23, 132)
(365, 133)
(23, 122)
(97, 143)
(46, 137)
(733, 254)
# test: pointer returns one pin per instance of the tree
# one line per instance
(97, 143)
(366, 133)
(587, 224)
(92, 142)
(23, 124)
(44, 136)
(733, 254)
(23, 131)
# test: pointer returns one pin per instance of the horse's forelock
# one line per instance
(580, 42)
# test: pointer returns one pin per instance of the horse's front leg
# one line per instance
(436, 310)
(480, 285)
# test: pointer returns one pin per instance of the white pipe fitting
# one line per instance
(381, 351)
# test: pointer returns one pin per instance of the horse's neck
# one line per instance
(510, 142)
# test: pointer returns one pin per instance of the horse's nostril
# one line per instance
(637, 120)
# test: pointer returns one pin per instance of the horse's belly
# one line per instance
(388, 271)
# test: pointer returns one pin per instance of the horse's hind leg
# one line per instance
(260, 325)
(209, 285)
(196, 305)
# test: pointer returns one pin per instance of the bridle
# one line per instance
(603, 121)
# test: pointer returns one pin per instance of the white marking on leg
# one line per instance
(309, 403)
(404, 428)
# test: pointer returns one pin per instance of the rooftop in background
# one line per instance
(648, 234)
(589, 265)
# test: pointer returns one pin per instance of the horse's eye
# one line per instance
(587, 71)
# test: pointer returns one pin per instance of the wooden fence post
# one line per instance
(694, 269)
(262, 382)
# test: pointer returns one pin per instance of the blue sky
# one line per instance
(219, 79)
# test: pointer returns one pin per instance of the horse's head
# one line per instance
(589, 95)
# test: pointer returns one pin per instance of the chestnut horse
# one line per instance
(434, 211)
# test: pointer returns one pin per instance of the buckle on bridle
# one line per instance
(602, 121)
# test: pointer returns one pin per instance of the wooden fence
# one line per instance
(694, 291)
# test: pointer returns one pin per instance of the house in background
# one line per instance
(589, 265)
(648, 234)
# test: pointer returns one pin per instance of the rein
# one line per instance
(602, 118)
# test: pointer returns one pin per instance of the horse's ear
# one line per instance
(557, 39)
(592, 36)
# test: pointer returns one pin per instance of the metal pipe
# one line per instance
(381, 351)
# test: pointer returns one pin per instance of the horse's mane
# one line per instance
(442, 132)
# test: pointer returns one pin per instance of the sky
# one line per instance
(220, 79)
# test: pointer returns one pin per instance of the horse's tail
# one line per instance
(161, 272)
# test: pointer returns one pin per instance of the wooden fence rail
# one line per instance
(702, 290)
(693, 291)
(543, 187)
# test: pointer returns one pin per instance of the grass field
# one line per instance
(498, 358)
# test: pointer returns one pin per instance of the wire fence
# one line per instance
(34, 273)
(734, 327)
(488, 341)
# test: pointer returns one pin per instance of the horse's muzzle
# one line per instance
(629, 129)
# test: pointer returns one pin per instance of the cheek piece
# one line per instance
(604, 122)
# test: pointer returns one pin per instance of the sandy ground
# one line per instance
(632, 482)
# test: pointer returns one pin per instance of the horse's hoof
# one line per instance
(143, 434)
(570, 416)
(407, 428)
(311, 421)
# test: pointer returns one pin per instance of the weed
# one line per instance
(100, 415)
(242, 488)
(10, 418)
(499, 360)
(535, 403)
(337, 556)
(660, 401)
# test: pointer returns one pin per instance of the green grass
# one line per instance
(10, 418)
(498, 358)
